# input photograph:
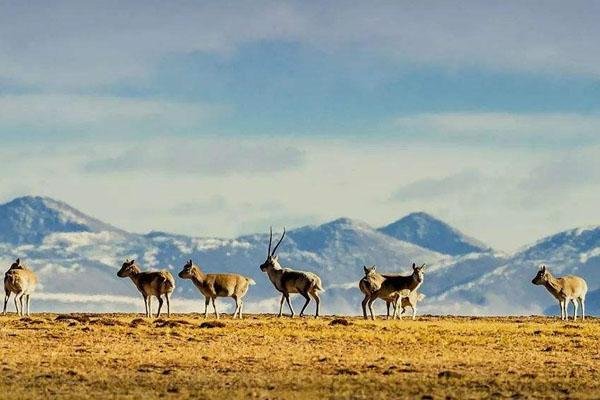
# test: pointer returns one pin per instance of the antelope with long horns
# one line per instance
(287, 280)
(150, 283)
(21, 281)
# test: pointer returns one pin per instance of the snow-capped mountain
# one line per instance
(77, 256)
(507, 289)
(31, 219)
(426, 231)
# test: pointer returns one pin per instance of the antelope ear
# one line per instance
(365, 269)
(544, 268)
(18, 261)
(414, 265)
(423, 266)
(132, 262)
(373, 268)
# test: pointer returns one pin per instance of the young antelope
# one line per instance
(150, 283)
(218, 285)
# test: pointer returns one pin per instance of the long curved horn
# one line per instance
(278, 243)
(270, 241)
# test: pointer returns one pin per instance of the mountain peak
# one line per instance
(346, 223)
(427, 231)
(29, 219)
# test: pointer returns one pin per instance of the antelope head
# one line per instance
(418, 272)
(17, 264)
(127, 269)
(542, 276)
(369, 271)
(271, 261)
(188, 270)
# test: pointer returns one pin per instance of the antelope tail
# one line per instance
(319, 286)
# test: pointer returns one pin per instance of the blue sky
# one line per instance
(486, 114)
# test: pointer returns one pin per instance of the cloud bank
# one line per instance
(74, 44)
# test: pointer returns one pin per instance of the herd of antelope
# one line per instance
(396, 290)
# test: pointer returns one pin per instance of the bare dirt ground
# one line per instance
(126, 356)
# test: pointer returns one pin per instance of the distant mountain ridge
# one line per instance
(29, 219)
(76, 257)
(429, 232)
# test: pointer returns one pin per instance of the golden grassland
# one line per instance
(126, 356)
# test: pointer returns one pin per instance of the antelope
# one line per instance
(564, 289)
(395, 283)
(21, 281)
(370, 283)
(287, 280)
(408, 299)
(218, 285)
(150, 283)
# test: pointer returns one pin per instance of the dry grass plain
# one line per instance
(125, 356)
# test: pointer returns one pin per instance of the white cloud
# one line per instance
(438, 187)
(100, 115)
(227, 156)
(543, 128)
(96, 43)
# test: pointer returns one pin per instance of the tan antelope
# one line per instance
(565, 289)
(392, 284)
(218, 285)
(21, 281)
(150, 283)
(407, 298)
(287, 280)
(370, 283)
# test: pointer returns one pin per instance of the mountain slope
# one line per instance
(30, 219)
(507, 289)
(429, 232)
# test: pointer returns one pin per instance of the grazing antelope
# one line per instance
(150, 283)
(287, 280)
(564, 289)
(408, 299)
(395, 283)
(218, 285)
(21, 281)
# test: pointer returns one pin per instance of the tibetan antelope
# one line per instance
(218, 285)
(370, 283)
(565, 289)
(407, 298)
(287, 280)
(21, 281)
(150, 283)
(392, 284)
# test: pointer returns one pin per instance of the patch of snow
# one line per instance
(584, 257)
